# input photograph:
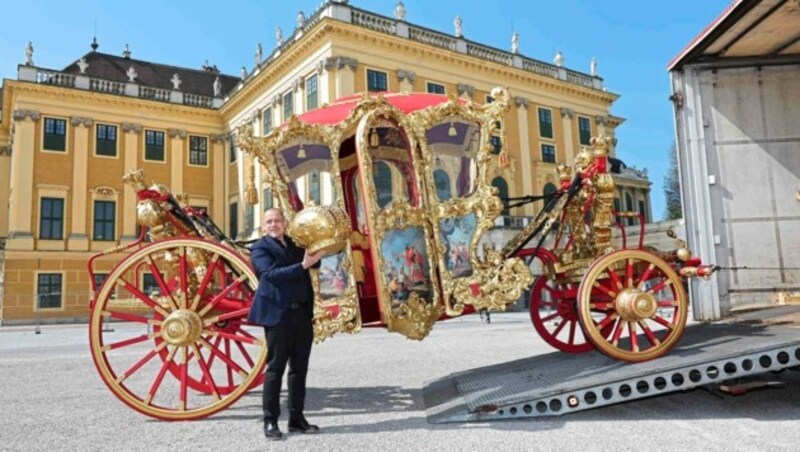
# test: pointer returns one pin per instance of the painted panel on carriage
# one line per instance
(455, 234)
(333, 279)
(405, 257)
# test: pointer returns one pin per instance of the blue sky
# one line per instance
(633, 41)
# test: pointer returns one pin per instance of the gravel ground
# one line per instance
(365, 393)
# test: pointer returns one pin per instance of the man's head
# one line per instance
(274, 223)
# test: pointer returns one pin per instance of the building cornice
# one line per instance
(118, 102)
(330, 28)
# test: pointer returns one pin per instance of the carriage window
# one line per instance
(454, 144)
(392, 170)
(305, 165)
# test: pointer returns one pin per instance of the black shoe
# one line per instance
(302, 426)
(271, 431)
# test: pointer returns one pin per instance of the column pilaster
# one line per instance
(130, 153)
(177, 158)
(20, 235)
(525, 149)
(78, 239)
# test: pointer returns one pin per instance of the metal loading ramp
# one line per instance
(560, 383)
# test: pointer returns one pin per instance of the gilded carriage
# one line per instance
(395, 188)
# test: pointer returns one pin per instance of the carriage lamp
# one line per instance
(452, 130)
(301, 153)
(374, 140)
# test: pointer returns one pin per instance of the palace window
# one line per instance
(288, 105)
(548, 153)
(198, 150)
(150, 285)
(435, 88)
(55, 134)
(312, 93)
(48, 287)
(154, 145)
(502, 192)
(545, 123)
(104, 219)
(549, 189)
(584, 131)
(249, 217)
(377, 81)
(266, 120)
(267, 202)
(233, 220)
(106, 143)
(51, 219)
(232, 148)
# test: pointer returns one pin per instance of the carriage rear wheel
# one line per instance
(641, 298)
(186, 301)
(554, 316)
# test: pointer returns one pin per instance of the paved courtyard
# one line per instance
(365, 392)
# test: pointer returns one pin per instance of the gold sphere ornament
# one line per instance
(317, 228)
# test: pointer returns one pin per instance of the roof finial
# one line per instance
(94, 45)
(127, 52)
(400, 11)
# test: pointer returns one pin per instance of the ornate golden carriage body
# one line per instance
(405, 175)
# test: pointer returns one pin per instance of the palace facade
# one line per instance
(67, 136)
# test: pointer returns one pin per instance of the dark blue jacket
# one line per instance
(281, 281)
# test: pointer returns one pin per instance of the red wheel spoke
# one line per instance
(206, 279)
(602, 305)
(571, 331)
(184, 377)
(228, 353)
(651, 336)
(231, 364)
(629, 273)
(549, 289)
(551, 317)
(668, 304)
(127, 342)
(127, 317)
(216, 344)
(618, 332)
(611, 293)
(633, 336)
(662, 321)
(221, 295)
(607, 321)
(236, 338)
(658, 287)
(160, 377)
(206, 373)
(559, 328)
(230, 315)
(246, 355)
(614, 279)
(645, 276)
(141, 362)
(146, 299)
(160, 281)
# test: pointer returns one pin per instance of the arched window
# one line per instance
(383, 184)
(442, 181)
(549, 189)
(502, 191)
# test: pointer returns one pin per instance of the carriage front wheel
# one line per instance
(640, 297)
(179, 347)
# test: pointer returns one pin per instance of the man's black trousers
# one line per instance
(287, 342)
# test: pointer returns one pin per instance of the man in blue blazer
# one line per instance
(284, 305)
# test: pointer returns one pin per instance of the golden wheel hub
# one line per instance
(182, 327)
(634, 305)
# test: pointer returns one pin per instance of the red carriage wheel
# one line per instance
(193, 317)
(555, 317)
(641, 299)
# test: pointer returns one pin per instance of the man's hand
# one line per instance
(310, 259)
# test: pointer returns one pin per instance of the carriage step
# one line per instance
(559, 383)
